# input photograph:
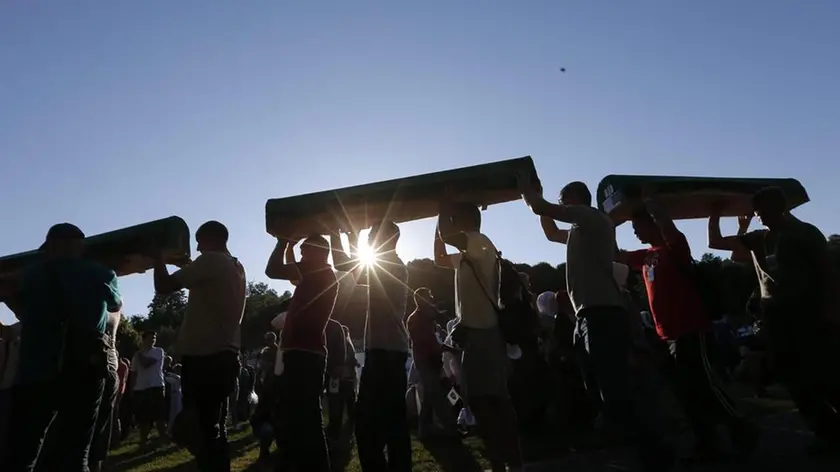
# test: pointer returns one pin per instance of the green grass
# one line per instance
(129, 457)
(429, 457)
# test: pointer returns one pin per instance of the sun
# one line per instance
(367, 255)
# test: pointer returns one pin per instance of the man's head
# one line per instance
(149, 339)
(576, 193)
(64, 240)
(466, 217)
(424, 299)
(770, 206)
(383, 236)
(645, 228)
(270, 338)
(315, 248)
(212, 236)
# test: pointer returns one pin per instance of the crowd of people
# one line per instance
(504, 362)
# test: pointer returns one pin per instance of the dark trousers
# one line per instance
(206, 383)
(105, 420)
(690, 368)
(5, 412)
(381, 420)
(434, 401)
(628, 402)
(337, 404)
(805, 358)
(73, 402)
(300, 425)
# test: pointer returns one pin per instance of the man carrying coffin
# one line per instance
(799, 292)
(209, 338)
(302, 357)
(381, 420)
(63, 305)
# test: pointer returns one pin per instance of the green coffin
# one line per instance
(690, 197)
(399, 200)
(124, 250)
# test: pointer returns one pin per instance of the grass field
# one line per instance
(428, 457)
(431, 457)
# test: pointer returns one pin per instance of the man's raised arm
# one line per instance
(277, 268)
(724, 243)
(552, 232)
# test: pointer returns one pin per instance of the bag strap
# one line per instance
(493, 303)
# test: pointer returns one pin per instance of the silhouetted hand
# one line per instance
(744, 222)
(716, 209)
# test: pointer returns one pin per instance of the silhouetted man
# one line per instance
(209, 338)
(799, 290)
(602, 326)
(381, 420)
(485, 364)
(300, 433)
(684, 325)
(427, 353)
(63, 305)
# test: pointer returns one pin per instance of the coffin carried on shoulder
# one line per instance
(398, 200)
(126, 250)
(690, 197)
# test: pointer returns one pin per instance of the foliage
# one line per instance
(259, 311)
(128, 339)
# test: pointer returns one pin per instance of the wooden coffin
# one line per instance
(690, 197)
(124, 250)
(399, 200)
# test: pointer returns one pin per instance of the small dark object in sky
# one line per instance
(562, 69)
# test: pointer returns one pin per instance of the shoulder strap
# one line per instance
(493, 303)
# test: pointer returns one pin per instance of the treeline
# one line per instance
(735, 282)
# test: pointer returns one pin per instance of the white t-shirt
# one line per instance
(148, 377)
(473, 306)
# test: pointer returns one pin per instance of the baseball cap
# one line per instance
(63, 231)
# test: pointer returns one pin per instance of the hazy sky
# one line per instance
(116, 113)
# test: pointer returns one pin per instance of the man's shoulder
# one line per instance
(807, 229)
(592, 219)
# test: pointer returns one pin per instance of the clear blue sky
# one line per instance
(116, 113)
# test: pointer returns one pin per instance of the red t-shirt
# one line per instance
(310, 309)
(422, 329)
(675, 301)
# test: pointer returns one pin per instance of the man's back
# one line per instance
(476, 282)
(589, 261)
(388, 285)
(216, 281)
(61, 299)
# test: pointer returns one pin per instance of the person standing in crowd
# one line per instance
(105, 418)
(173, 380)
(602, 328)
(799, 287)
(265, 363)
(127, 402)
(349, 380)
(300, 434)
(149, 397)
(63, 360)
(336, 358)
(209, 337)
(485, 364)
(685, 327)
(427, 353)
(381, 421)
(117, 424)
(9, 350)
